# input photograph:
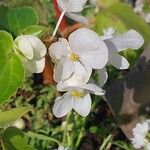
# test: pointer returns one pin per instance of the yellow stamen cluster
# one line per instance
(77, 94)
(74, 57)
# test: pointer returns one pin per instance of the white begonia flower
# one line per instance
(33, 52)
(140, 132)
(129, 40)
(77, 98)
(73, 8)
(76, 57)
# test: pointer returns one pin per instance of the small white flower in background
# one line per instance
(139, 4)
(73, 8)
(76, 57)
(77, 98)
(141, 135)
(33, 52)
(117, 43)
(62, 148)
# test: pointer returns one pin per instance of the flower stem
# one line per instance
(81, 134)
(58, 23)
(66, 130)
(106, 141)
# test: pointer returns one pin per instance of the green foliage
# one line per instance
(123, 145)
(12, 71)
(47, 132)
(40, 8)
(9, 116)
(34, 30)
(14, 139)
(132, 21)
(107, 3)
(15, 20)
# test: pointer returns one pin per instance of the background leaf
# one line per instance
(40, 8)
(35, 30)
(14, 20)
(12, 71)
(12, 115)
(14, 139)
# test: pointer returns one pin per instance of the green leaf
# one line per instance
(16, 19)
(38, 5)
(107, 3)
(106, 19)
(132, 21)
(12, 71)
(11, 115)
(14, 139)
(35, 30)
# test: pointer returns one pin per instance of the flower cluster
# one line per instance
(141, 135)
(76, 57)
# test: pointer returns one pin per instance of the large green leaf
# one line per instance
(126, 14)
(16, 19)
(11, 115)
(14, 139)
(11, 71)
(106, 19)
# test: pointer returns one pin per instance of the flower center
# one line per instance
(77, 94)
(74, 57)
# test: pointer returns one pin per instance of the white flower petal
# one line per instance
(63, 69)
(96, 59)
(39, 49)
(148, 146)
(82, 105)
(78, 18)
(138, 141)
(71, 5)
(94, 89)
(24, 46)
(34, 66)
(59, 49)
(118, 61)
(85, 40)
(131, 39)
(80, 77)
(63, 105)
(103, 76)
